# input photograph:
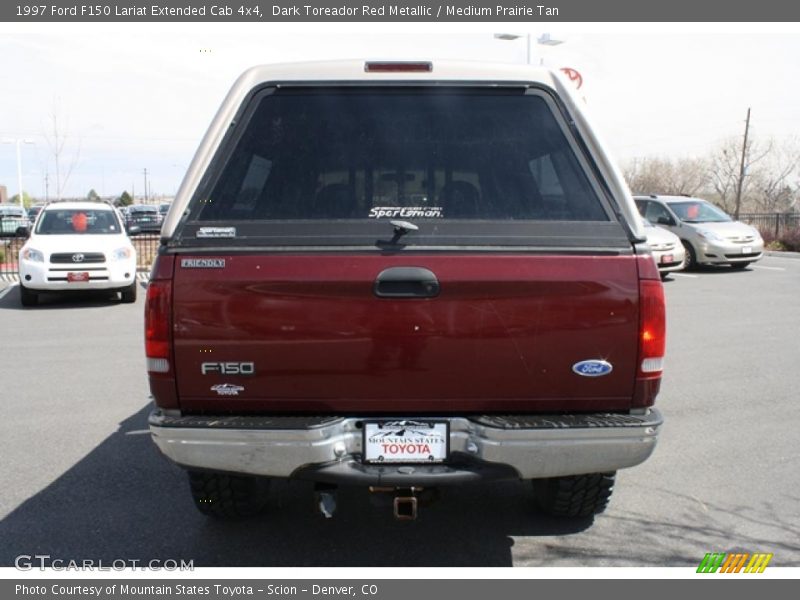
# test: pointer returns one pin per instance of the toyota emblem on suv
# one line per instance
(77, 257)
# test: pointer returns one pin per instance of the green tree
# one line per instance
(93, 196)
(125, 199)
(27, 201)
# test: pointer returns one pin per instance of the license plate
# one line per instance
(747, 250)
(77, 277)
(667, 258)
(405, 441)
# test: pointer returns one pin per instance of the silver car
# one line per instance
(666, 247)
(13, 220)
(709, 236)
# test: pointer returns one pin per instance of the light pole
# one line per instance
(542, 40)
(19, 142)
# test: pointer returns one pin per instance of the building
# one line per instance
(3, 194)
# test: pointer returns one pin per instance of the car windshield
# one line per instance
(74, 221)
(144, 211)
(698, 211)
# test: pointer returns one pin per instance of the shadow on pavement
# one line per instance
(68, 300)
(125, 501)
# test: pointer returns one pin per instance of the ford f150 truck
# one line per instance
(403, 276)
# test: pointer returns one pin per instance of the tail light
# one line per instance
(652, 329)
(158, 316)
(157, 326)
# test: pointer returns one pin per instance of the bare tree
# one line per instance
(776, 186)
(726, 164)
(651, 175)
(57, 137)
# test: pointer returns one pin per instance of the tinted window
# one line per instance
(656, 211)
(366, 154)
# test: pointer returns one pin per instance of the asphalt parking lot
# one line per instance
(84, 481)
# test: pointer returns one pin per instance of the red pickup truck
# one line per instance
(403, 276)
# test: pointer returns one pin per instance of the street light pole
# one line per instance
(19, 142)
(543, 40)
(19, 175)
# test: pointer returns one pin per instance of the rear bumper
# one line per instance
(328, 449)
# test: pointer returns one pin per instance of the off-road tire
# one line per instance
(574, 496)
(27, 297)
(128, 294)
(228, 496)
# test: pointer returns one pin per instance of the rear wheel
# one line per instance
(27, 297)
(128, 294)
(574, 496)
(228, 496)
(690, 258)
(739, 265)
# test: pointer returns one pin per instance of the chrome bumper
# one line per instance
(330, 448)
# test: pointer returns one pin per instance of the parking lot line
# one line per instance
(769, 268)
(683, 275)
(7, 290)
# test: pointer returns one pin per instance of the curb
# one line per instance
(778, 254)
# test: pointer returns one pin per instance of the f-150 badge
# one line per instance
(592, 368)
(227, 389)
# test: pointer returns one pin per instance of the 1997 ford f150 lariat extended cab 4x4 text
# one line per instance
(403, 276)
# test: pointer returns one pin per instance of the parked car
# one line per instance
(144, 216)
(709, 236)
(449, 285)
(34, 211)
(13, 220)
(77, 246)
(666, 247)
(163, 208)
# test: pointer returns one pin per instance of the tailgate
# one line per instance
(307, 332)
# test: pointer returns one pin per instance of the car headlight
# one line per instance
(710, 235)
(122, 253)
(32, 255)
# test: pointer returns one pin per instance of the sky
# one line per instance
(130, 97)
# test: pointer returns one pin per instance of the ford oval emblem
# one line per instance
(592, 368)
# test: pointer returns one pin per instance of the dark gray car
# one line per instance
(144, 216)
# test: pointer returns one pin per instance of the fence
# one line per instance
(146, 248)
(775, 224)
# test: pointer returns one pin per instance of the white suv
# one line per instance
(77, 246)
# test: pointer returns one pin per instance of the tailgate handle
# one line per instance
(406, 282)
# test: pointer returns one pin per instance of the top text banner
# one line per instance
(450, 11)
